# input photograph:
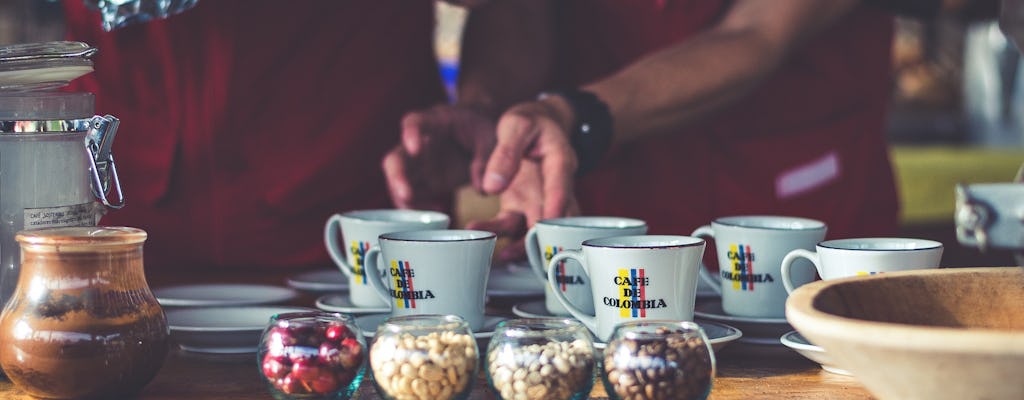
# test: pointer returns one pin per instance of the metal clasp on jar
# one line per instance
(101, 160)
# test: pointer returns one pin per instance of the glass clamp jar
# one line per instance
(541, 359)
(657, 360)
(56, 164)
(424, 357)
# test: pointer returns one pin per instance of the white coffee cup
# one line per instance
(360, 230)
(552, 236)
(864, 256)
(991, 215)
(750, 249)
(634, 278)
(433, 272)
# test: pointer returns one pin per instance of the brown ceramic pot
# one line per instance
(82, 322)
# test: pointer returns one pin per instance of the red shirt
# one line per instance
(245, 124)
(808, 142)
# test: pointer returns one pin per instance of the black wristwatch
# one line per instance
(591, 134)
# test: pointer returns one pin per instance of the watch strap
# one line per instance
(591, 134)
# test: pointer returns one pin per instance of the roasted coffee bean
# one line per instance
(664, 366)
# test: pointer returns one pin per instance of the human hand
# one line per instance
(539, 132)
(521, 207)
(533, 149)
(442, 148)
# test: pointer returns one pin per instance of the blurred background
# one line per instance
(957, 110)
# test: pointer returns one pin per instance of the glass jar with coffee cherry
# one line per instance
(312, 355)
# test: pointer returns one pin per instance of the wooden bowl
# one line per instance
(924, 334)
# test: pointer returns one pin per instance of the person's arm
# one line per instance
(661, 92)
(685, 82)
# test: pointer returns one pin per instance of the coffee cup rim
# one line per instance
(387, 215)
(872, 244)
(438, 236)
(595, 222)
(644, 242)
(740, 221)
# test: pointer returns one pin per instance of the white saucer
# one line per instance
(761, 341)
(796, 341)
(208, 295)
(368, 324)
(534, 309)
(221, 330)
(514, 280)
(340, 302)
(761, 331)
(719, 335)
(321, 280)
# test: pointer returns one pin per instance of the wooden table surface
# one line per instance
(745, 371)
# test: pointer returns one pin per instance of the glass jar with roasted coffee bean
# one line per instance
(541, 359)
(657, 360)
(312, 355)
(424, 357)
(82, 322)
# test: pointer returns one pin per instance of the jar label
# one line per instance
(52, 217)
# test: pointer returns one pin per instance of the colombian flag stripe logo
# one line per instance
(624, 312)
(637, 293)
(737, 268)
(360, 249)
(641, 289)
(403, 283)
(742, 267)
(746, 262)
(550, 252)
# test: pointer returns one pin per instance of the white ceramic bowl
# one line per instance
(926, 334)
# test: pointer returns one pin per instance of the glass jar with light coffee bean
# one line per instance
(655, 360)
(541, 359)
(424, 357)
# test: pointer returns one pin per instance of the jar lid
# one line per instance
(68, 238)
(47, 65)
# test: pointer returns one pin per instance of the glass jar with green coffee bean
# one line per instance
(541, 359)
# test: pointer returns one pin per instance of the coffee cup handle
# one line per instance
(589, 321)
(331, 240)
(373, 274)
(787, 264)
(533, 254)
(710, 279)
